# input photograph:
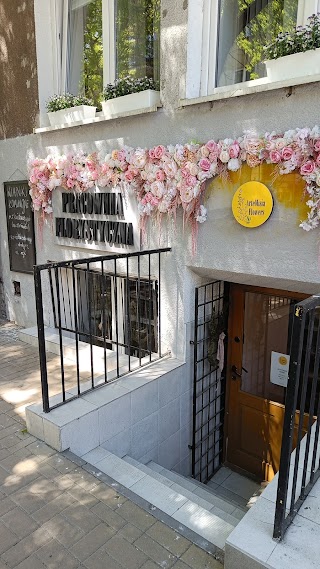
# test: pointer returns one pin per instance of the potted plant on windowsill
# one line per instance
(295, 54)
(67, 109)
(130, 94)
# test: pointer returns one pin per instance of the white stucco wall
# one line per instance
(278, 254)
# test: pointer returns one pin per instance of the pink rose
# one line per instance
(286, 153)
(205, 164)
(318, 160)
(307, 168)
(129, 176)
(191, 181)
(151, 153)
(212, 146)
(160, 176)
(159, 151)
(121, 155)
(275, 156)
(234, 150)
(316, 145)
(70, 183)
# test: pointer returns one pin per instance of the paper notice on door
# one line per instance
(279, 369)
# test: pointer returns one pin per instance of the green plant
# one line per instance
(299, 40)
(59, 102)
(129, 85)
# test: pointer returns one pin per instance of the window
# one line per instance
(109, 39)
(233, 34)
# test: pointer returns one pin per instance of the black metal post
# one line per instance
(41, 339)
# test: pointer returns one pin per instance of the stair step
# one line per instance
(208, 493)
(224, 511)
(140, 479)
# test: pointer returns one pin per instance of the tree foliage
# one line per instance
(275, 16)
(137, 28)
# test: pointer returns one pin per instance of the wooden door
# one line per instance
(259, 323)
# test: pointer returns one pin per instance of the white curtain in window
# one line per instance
(61, 20)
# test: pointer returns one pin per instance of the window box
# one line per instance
(71, 115)
(294, 65)
(133, 102)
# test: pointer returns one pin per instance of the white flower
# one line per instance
(233, 164)
(224, 156)
(201, 217)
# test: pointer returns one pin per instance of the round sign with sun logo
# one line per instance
(252, 204)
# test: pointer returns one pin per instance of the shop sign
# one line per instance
(20, 224)
(94, 219)
(252, 204)
(279, 369)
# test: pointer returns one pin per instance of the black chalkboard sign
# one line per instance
(20, 223)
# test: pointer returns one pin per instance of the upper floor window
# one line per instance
(109, 39)
(234, 33)
(245, 27)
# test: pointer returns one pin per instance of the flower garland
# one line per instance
(165, 178)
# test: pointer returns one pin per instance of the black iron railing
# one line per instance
(103, 320)
(211, 319)
(299, 463)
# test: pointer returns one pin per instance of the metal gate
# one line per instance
(211, 321)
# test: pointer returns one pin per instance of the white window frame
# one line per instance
(202, 43)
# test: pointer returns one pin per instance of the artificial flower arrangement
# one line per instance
(299, 40)
(165, 179)
(129, 85)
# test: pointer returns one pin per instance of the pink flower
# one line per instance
(151, 153)
(286, 153)
(252, 145)
(212, 146)
(318, 160)
(253, 161)
(307, 168)
(234, 150)
(160, 175)
(316, 145)
(129, 175)
(70, 183)
(205, 164)
(121, 155)
(191, 180)
(275, 156)
(159, 151)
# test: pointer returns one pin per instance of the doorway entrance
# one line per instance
(260, 324)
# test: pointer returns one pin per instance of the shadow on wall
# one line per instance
(18, 69)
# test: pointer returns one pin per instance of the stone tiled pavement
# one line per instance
(54, 514)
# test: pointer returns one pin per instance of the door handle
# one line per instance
(235, 371)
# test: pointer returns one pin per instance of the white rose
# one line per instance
(224, 156)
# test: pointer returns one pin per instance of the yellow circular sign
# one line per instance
(252, 204)
(283, 360)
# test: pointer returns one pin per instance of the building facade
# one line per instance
(206, 94)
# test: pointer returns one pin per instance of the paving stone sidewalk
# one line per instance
(54, 514)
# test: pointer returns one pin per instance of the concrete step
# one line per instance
(175, 501)
(198, 495)
(210, 493)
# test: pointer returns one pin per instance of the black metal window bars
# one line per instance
(106, 314)
(300, 451)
